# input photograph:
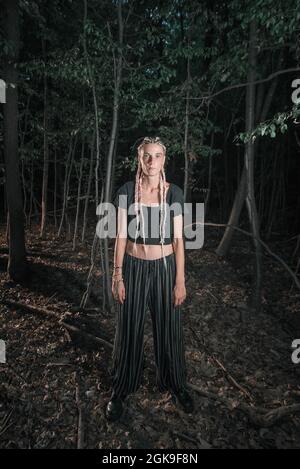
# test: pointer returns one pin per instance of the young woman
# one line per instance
(149, 272)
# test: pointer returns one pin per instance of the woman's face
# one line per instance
(152, 158)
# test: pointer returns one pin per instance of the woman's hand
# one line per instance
(118, 290)
(179, 293)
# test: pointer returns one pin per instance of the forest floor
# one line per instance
(236, 359)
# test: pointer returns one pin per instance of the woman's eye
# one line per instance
(148, 156)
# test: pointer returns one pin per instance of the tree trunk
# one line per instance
(186, 134)
(118, 67)
(225, 242)
(69, 165)
(23, 161)
(79, 193)
(46, 151)
(207, 195)
(249, 165)
(223, 248)
(88, 189)
(92, 80)
(17, 264)
(55, 188)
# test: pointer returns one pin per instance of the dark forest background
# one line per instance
(219, 82)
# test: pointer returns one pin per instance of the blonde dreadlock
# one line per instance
(162, 193)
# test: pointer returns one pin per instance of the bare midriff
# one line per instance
(149, 251)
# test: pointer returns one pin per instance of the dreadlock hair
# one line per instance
(162, 193)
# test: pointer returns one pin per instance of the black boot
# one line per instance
(114, 408)
(185, 401)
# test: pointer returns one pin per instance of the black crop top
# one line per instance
(124, 198)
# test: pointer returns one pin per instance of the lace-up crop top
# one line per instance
(124, 198)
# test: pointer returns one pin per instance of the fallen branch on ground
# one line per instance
(221, 366)
(69, 327)
(259, 416)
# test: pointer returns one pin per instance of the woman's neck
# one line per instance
(150, 183)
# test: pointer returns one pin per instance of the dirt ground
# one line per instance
(237, 359)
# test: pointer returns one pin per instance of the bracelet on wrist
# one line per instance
(117, 276)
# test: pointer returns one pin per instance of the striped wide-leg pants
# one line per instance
(148, 284)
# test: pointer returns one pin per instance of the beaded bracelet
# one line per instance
(120, 280)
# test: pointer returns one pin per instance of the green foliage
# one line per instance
(271, 127)
(160, 39)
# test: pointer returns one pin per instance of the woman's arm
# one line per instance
(178, 246)
(121, 238)
(119, 251)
